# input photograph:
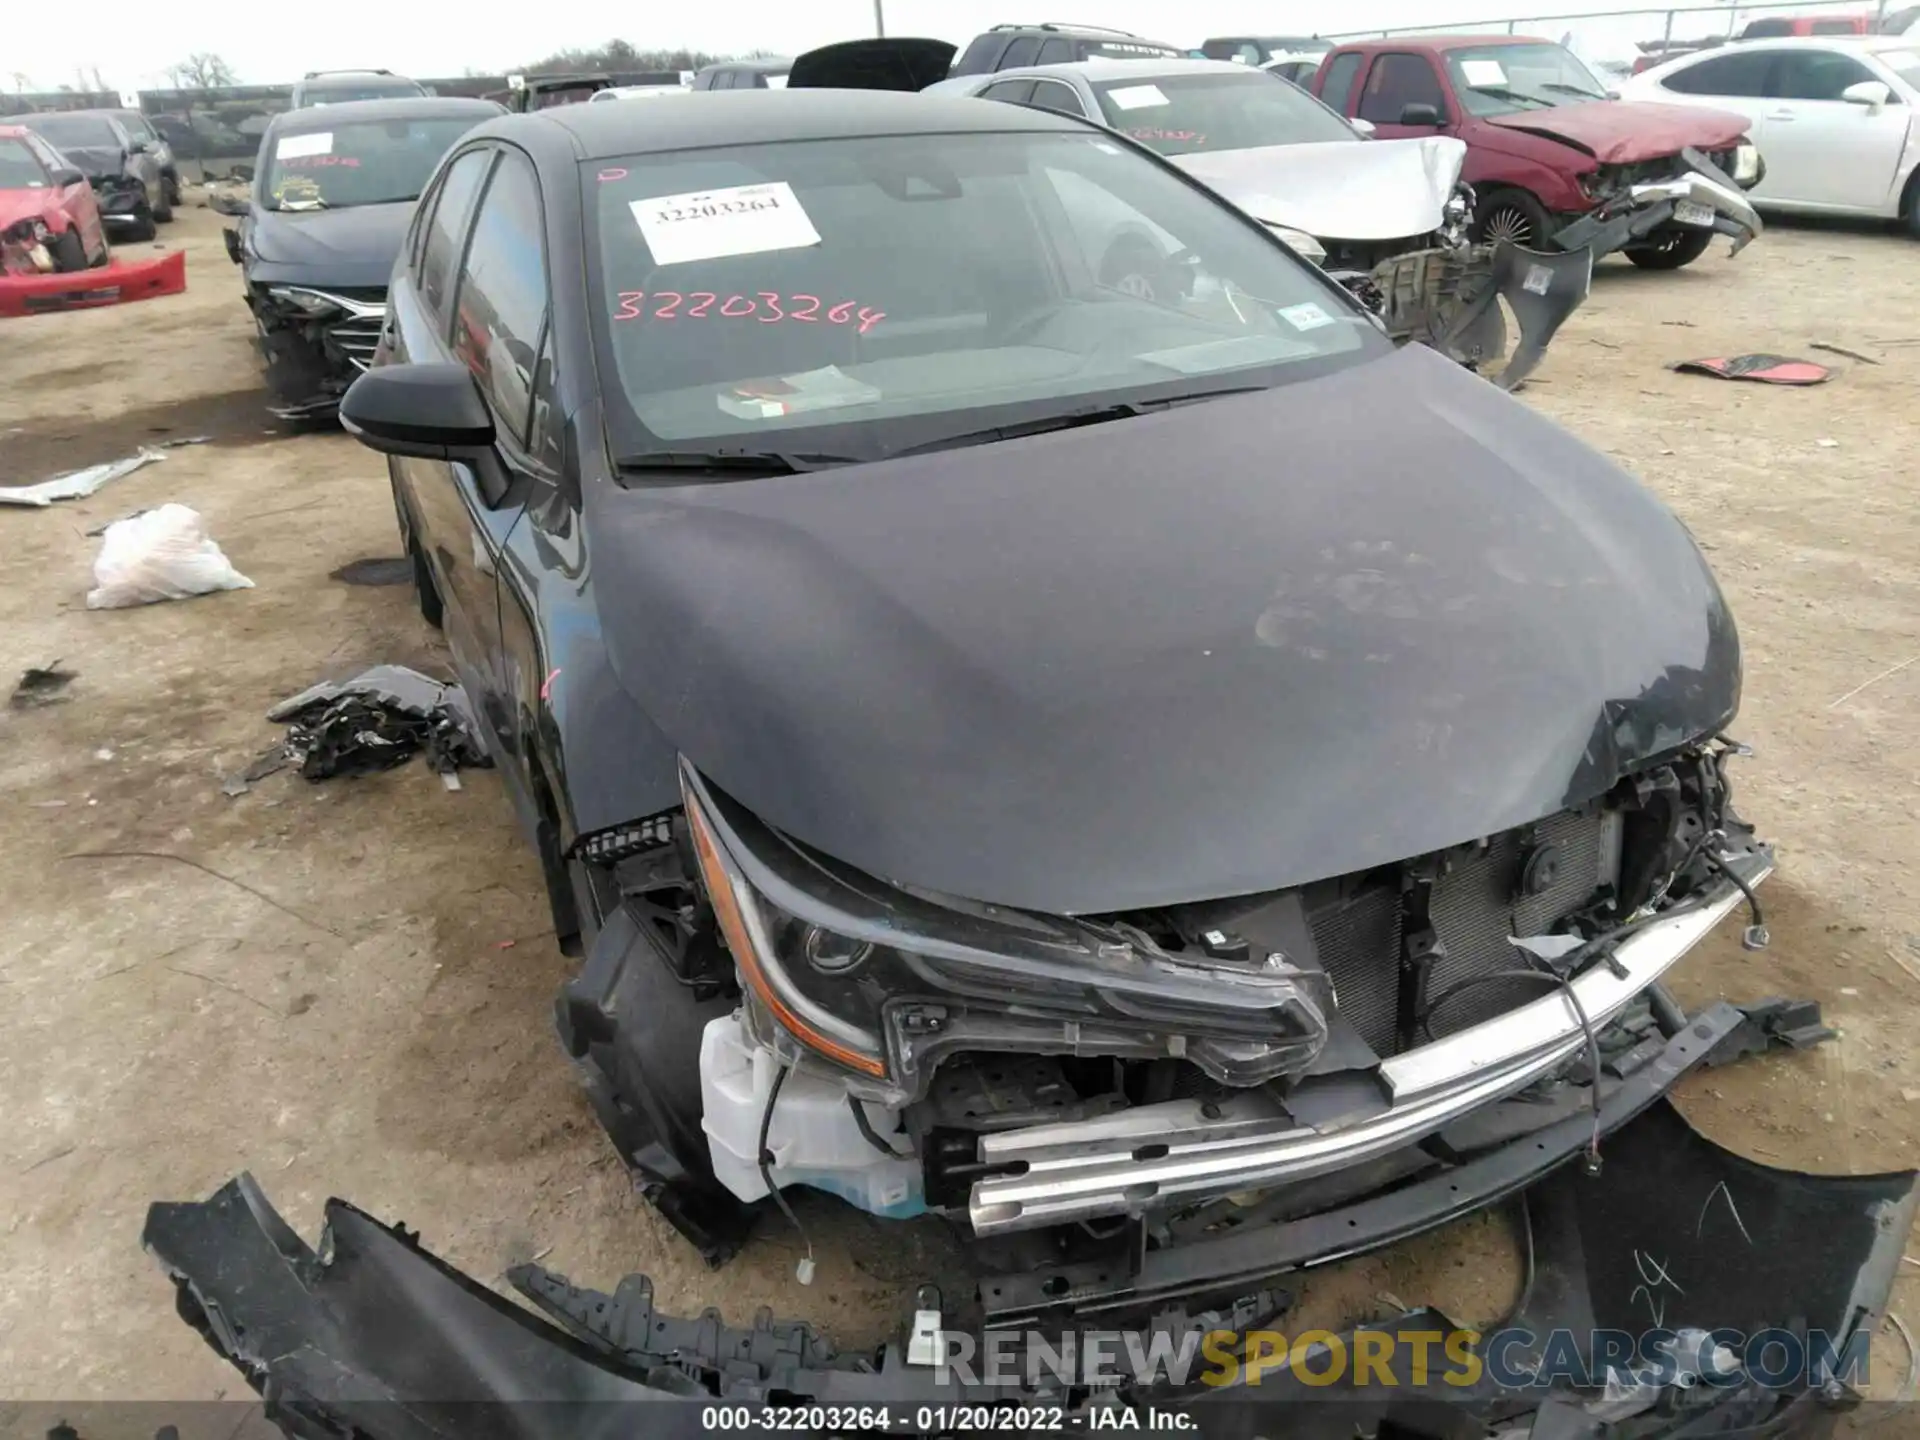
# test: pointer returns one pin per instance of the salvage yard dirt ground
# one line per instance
(347, 987)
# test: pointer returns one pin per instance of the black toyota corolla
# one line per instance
(1118, 773)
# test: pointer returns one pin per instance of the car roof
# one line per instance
(1101, 70)
(1855, 43)
(397, 107)
(1444, 42)
(762, 62)
(725, 118)
(321, 77)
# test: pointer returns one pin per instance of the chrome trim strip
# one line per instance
(1156, 1155)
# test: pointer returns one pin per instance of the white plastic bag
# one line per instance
(163, 554)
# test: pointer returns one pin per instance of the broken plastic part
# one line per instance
(377, 720)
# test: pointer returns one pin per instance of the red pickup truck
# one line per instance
(1555, 162)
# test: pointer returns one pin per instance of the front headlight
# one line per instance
(308, 302)
(1746, 163)
(1301, 243)
(886, 983)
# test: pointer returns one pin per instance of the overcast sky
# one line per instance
(133, 41)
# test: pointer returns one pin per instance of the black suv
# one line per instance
(1007, 46)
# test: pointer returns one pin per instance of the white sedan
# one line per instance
(1837, 118)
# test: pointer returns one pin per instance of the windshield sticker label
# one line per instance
(294, 146)
(766, 306)
(318, 162)
(1154, 132)
(1483, 72)
(710, 224)
(1308, 316)
(1137, 97)
(828, 388)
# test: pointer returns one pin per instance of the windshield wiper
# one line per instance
(1502, 92)
(1567, 89)
(733, 462)
(1072, 419)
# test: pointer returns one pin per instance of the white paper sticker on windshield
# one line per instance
(1137, 97)
(708, 224)
(1483, 72)
(1306, 317)
(318, 143)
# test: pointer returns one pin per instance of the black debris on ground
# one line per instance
(375, 721)
(41, 685)
(375, 570)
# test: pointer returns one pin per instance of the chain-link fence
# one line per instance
(1621, 40)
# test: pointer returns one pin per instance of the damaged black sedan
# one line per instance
(333, 193)
(1122, 773)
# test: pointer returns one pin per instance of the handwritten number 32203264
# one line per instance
(765, 306)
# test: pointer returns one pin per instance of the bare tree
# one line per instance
(202, 70)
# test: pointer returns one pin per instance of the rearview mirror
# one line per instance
(65, 175)
(1420, 113)
(433, 412)
(1871, 93)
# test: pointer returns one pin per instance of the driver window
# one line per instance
(500, 307)
(1397, 81)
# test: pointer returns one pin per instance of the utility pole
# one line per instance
(879, 19)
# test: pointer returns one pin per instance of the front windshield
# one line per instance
(1179, 114)
(1503, 79)
(19, 166)
(368, 162)
(83, 131)
(360, 90)
(860, 297)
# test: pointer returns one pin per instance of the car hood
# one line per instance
(1339, 190)
(25, 203)
(1234, 646)
(355, 246)
(893, 63)
(1620, 132)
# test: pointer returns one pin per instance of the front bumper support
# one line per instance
(373, 1336)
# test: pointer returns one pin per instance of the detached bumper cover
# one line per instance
(374, 1336)
(113, 284)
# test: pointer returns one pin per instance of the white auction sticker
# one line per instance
(709, 224)
(318, 143)
(1306, 317)
(1483, 72)
(1137, 97)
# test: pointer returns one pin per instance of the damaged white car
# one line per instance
(1387, 218)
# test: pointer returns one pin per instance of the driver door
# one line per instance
(1825, 151)
(1397, 79)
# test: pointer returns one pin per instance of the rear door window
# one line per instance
(1023, 51)
(1056, 52)
(1056, 95)
(1011, 92)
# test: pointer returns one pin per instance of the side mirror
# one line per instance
(241, 172)
(1874, 94)
(65, 175)
(232, 239)
(140, 147)
(431, 412)
(1420, 113)
(1366, 128)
